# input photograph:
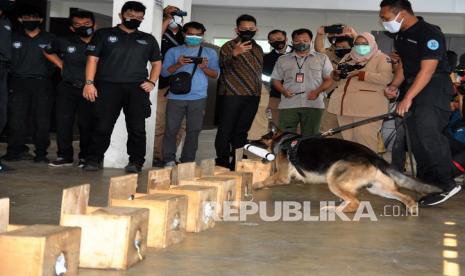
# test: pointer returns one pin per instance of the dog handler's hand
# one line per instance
(90, 93)
(404, 106)
(391, 92)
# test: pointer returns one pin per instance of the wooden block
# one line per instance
(184, 171)
(226, 189)
(122, 187)
(35, 250)
(243, 184)
(200, 212)
(207, 167)
(219, 169)
(159, 179)
(4, 214)
(13, 227)
(260, 170)
(111, 237)
(167, 218)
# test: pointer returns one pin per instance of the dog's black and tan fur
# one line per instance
(345, 166)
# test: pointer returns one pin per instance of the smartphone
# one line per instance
(334, 29)
(196, 60)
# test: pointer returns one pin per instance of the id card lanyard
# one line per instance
(300, 76)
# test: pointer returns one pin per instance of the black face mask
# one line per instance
(31, 25)
(131, 24)
(246, 35)
(84, 31)
(278, 45)
(340, 53)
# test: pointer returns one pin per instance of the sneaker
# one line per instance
(61, 162)
(92, 166)
(81, 163)
(133, 168)
(4, 168)
(437, 198)
(170, 164)
(41, 159)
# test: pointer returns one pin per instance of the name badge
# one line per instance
(299, 78)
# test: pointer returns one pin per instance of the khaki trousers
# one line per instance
(366, 135)
(260, 122)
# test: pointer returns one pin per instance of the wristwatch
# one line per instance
(89, 82)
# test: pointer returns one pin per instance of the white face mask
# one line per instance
(173, 24)
(393, 26)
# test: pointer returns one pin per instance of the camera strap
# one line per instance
(171, 38)
(196, 65)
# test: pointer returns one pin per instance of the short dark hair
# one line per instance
(275, 32)
(347, 39)
(30, 10)
(302, 31)
(245, 17)
(397, 5)
(193, 25)
(134, 6)
(81, 14)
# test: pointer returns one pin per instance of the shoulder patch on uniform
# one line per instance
(433, 44)
(7, 27)
(142, 41)
(91, 47)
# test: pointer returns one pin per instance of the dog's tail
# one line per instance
(410, 183)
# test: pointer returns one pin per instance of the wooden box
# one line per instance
(200, 211)
(159, 179)
(260, 170)
(40, 250)
(168, 212)
(244, 182)
(111, 237)
(226, 189)
(183, 171)
(4, 214)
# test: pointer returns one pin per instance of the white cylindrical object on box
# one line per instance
(263, 153)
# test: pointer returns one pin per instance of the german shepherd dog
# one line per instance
(345, 166)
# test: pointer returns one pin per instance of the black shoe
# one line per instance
(41, 159)
(17, 157)
(92, 166)
(81, 163)
(61, 162)
(133, 168)
(437, 198)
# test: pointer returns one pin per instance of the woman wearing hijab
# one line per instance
(360, 93)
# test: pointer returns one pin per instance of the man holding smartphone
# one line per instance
(201, 63)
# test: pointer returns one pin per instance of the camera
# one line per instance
(195, 60)
(346, 68)
(334, 29)
(179, 13)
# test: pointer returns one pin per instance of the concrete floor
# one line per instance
(430, 244)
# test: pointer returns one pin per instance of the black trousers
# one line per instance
(29, 97)
(430, 146)
(399, 147)
(135, 102)
(3, 96)
(71, 104)
(236, 119)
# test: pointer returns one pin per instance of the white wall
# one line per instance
(220, 21)
(61, 8)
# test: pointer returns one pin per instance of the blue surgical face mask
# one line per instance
(193, 40)
(362, 50)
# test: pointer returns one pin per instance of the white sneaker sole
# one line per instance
(454, 191)
(62, 165)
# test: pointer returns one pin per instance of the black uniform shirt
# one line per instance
(422, 41)
(5, 39)
(166, 44)
(123, 56)
(72, 50)
(269, 61)
(28, 60)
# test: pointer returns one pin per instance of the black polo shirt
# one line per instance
(5, 39)
(28, 59)
(269, 61)
(166, 44)
(422, 41)
(72, 50)
(123, 56)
